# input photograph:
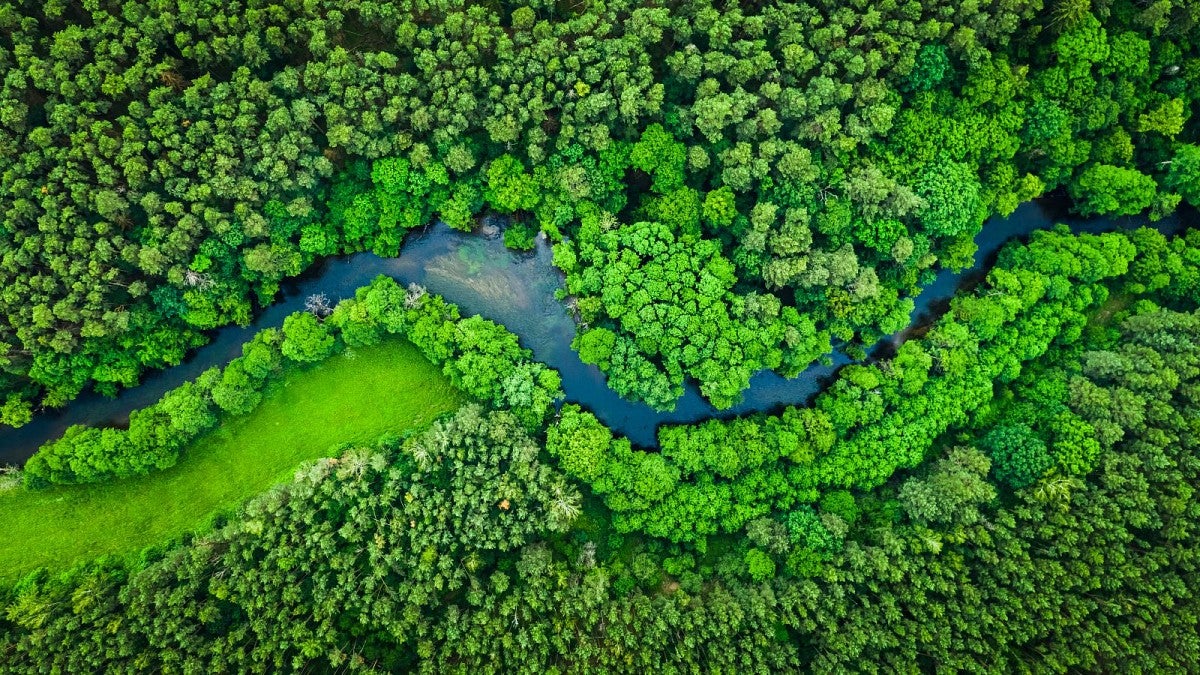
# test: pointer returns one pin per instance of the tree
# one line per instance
(1167, 119)
(931, 67)
(16, 411)
(188, 409)
(759, 565)
(1019, 456)
(952, 492)
(1183, 175)
(1103, 189)
(237, 392)
(719, 208)
(509, 188)
(305, 339)
(952, 199)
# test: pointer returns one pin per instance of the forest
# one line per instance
(1006, 483)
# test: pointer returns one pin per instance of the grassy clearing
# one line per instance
(388, 387)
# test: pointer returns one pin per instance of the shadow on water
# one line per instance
(517, 290)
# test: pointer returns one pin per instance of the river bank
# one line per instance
(516, 289)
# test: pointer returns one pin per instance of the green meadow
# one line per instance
(352, 397)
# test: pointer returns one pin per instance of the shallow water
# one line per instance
(517, 290)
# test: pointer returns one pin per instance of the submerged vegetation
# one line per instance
(727, 188)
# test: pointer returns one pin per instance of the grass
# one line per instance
(349, 398)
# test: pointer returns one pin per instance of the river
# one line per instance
(517, 290)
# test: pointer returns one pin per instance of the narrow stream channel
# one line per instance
(517, 290)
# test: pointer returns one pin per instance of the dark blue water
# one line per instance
(518, 290)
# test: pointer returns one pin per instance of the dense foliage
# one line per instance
(165, 166)
(877, 418)
(454, 553)
(673, 305)
(481, 358)
(364, 543)
(728, 188)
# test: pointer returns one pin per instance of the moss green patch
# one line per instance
(353, 397)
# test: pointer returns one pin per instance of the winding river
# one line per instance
(517, 290)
